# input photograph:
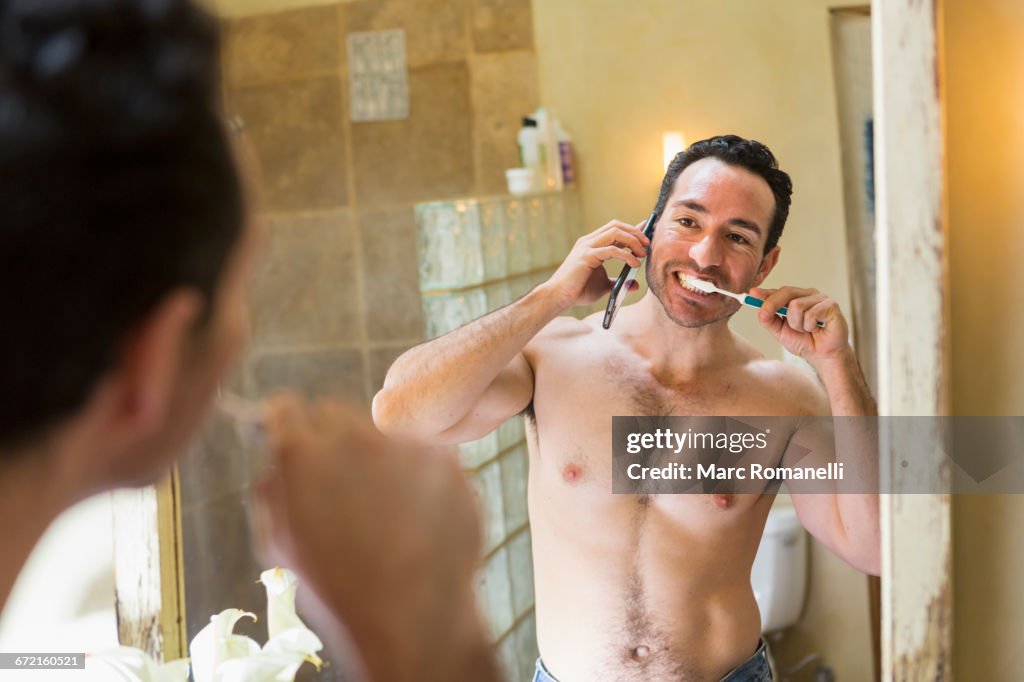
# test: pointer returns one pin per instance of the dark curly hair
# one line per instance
(736, 151)
(117, 185)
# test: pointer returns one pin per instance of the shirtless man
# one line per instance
(648, 587)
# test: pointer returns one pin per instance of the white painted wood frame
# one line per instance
(148, 573)
(913, 315)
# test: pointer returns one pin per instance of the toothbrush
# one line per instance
(745, 299)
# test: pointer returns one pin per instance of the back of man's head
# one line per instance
(736, 151)
(117, 186)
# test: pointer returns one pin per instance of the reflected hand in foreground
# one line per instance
(384, 533)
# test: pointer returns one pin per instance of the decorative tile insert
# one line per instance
(378, 82)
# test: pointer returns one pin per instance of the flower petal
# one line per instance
(296, 641)
(262, 667)
(281, 585)
(216, 643)
(135, 665)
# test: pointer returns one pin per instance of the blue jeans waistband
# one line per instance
(754, 669)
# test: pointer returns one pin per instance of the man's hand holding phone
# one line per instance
(581, 279)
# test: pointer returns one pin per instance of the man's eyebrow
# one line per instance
(700, 208)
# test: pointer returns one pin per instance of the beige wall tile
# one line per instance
(391, 287)
(268, 48)
(314, 373)
(429, 155)
(381, 360)
(502, 25)
(219, 569)
(435, 30)
(305, 291)
(215, 466)
(504, 89)
(298, 133)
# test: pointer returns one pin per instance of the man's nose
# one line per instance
(706, 253)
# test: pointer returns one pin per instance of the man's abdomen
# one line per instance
(643, 589)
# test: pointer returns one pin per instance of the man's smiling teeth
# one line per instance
(689, 287)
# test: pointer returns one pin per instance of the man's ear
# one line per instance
(151, 361)
(767, 265)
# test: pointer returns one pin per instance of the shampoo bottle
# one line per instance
(564, 142)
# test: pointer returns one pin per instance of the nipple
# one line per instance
(572, 472)
(722, 501)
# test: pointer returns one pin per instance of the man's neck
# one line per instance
(31, 497)
(678, 351)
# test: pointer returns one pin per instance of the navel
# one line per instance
(639, 653)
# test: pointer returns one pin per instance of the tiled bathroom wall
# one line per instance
(477, 255)
(338, 295)
(339, 290)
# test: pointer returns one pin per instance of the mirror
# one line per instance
(345, 180)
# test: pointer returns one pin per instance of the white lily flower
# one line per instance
(219, 655)
(217, 643)
(128, 664)
(288, 634)
(263, 667)
(281, 585)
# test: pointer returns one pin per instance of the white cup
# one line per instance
(520, 180)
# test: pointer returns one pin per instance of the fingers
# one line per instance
(624, 235)
(797, 314)
(285, 418)
(805, 308)
(821, 312)
(785, 297)
(605, 253)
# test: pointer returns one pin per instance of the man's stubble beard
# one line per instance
(655, 285)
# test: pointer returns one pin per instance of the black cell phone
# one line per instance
(628, 274)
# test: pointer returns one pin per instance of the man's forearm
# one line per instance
(848, 391)
(857, 449)
(431, 387)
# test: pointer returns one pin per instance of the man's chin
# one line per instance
(689, 316)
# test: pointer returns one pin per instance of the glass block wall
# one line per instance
(475, 256)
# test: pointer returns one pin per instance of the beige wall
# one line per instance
(618, 74)
(985, 137)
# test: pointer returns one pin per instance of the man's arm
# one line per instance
(462, 385)
(846, 522)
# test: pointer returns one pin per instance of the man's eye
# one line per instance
(739, 239)
(685, 222)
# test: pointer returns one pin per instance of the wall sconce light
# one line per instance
(672, 143)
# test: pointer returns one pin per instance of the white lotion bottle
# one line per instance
(531, 152)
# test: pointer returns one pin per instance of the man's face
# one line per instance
(714, 227)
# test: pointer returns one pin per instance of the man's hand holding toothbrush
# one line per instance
(825, 347)
(799, 331)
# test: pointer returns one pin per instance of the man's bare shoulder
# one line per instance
(565, 328)
(564, 332)
(798, 383)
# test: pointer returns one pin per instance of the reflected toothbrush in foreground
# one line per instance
(745, 299)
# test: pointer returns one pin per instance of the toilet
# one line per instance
(779, 575)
